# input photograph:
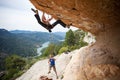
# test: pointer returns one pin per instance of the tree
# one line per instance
(79, 36)
(63, 49)
(14, 64)
(70, 38)
(58, 46)
(48, 50)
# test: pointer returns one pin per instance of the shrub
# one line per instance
(14, 64)
(63, 49)
(73, 48)
(83, 43)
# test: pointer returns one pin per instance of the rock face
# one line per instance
(40, 68)
(90, 15)
(101, 60)
(86, 65)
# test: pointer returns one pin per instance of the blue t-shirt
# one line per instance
(52, 62)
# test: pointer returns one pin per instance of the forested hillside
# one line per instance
(23, 43)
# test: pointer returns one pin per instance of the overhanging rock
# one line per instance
(100, 61)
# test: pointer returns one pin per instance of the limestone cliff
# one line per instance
(101, 60)
(91, 15)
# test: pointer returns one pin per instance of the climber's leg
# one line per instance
(38, 17)
(59, 22)
(39, 21)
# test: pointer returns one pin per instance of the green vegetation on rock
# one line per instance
(73, 40)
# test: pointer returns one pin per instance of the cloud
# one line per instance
(16, 14)
(16, 4)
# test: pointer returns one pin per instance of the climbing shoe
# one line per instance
(68, 26)
(56, 77)
(35, 11)
(48, 72)
(49, 30)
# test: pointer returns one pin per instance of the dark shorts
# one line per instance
(52, 65)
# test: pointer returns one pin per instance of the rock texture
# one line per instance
(80, 67)
(101, 60)
(90, 15)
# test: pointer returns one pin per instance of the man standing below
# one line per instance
(52, 65)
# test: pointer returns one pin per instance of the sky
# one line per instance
(17, 15)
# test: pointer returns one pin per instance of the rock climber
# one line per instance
(51, 62)
(46, 22)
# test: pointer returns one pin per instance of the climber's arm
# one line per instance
(49, 61)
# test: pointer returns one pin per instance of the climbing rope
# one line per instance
(51, 37)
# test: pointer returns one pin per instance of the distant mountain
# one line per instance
(4, 32)
(12, 44)
(37, 36)
(24, 42)
(22, 31)
(62, 34)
